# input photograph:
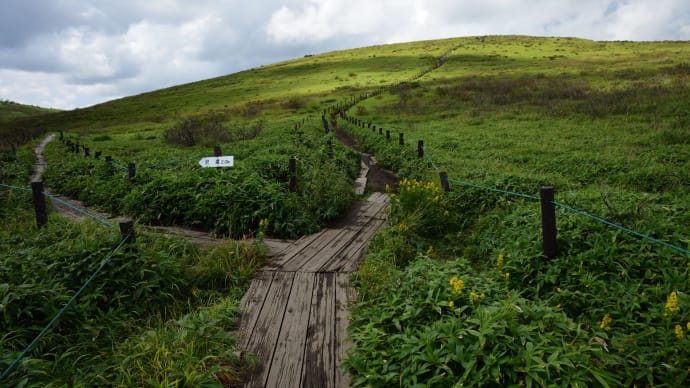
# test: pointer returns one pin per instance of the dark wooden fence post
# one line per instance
(97, 155)
(420, 148)
(127, 231)
(401, 138)
(131, 170)
(39, 203)
(86, 151)
(216, 151)
(76, 148)
(444, 181)
(388, 134)
(380, 130)
(109, 159)
(548, 221)
(292, 168)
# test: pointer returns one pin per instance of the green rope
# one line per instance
(82, 211)
(623, 228)
(495, 190)
(15, 187)
(59, 314)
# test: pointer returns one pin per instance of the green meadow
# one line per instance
(454, 291)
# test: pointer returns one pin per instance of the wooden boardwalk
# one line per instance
(295, 313)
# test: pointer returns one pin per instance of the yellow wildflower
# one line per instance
(688, 325)
(451, 304)
(558, 290)
(679, 332)
(499, 261)
(507, 275)
(457, 284)
(430, 250)
(605, 323)
(445, 213)
(473, 297)
(672, 303)
(388, 188)
(402, 227)
(482, 296)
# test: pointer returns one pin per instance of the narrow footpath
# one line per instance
(295, 313)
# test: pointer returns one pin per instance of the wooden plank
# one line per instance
(344, 297)
(293, 251)
(330, 251)
(319, 360)
(348, 259)
(313, 249)
(268, 324)
(288, 358)
(251, 304)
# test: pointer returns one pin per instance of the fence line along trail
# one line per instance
(295, 313)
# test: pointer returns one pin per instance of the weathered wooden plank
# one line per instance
(330, 251)
(268, 324)
(313, 249)
(251, 304)
(288, 356)
(319, 360)
(293, 251)
(344, 297)
(348, 259)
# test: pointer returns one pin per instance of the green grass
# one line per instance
(606, 123)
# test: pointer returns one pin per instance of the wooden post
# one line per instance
(380, 130)
(444, 181)
(401, 138)
(330, 146)
(131, 170)
(292, 168)
(420, 148)
(373, 128)
(39, 203)
(86, 151)
(97, 155)
(127, 231)
(548, 221)
(216, 151)
(76, 149)
(109, 159)
(388, 134)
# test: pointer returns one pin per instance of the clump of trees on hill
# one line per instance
(209, 129)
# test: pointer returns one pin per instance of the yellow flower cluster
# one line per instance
(672, 303)
(507, 275)
(679, 332)
(451, 304)
(412, 185)
(605, 323)
(499, 261)
(403, 227)
(457, 285)
(474, 297)
(263, 223)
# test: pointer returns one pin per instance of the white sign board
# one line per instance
(217, 161)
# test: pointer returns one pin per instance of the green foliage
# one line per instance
(143, 286)
(604, 123)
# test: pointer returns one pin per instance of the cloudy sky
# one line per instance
(75, 53)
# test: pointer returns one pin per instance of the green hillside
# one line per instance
(456, 290)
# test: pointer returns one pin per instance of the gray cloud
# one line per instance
(73, 53)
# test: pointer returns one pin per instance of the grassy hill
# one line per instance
(457, 289)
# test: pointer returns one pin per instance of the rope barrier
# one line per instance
(82, 211)
(620, 227)
(15, 187)
(493, 189)
(62, 311)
